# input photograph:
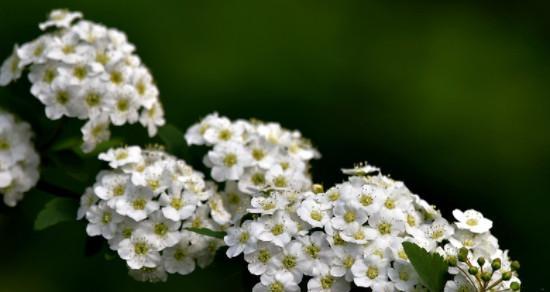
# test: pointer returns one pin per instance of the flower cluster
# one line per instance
(87, 71)
(353, 232)
(477, 262)
(145, 205)
(18, 159)
(252, 157)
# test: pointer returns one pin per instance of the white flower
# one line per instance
(94, 132)
(316, 254)
(353, 232)
(327, 283)
(386, 224)
(125, 105)
(152, 118)
(103, 221)
(277, 229)
(276, 283)
(85, 70)
(153, 198)
(164, 232)
(357, 233)
(242, 239)
(459, 284)
(217, 210)
(370, 272)
(262, 258)
(345, 257)
(179, 258)
(315, 213)
(361, 169)
(34, 51)
(223, 131)
(124, 230)
(18, 159)
(60, 18)
(139, 251)
(236, 201)
(266, 205)
(10, 69)
(347, 214)
(289, 259)
(403, 275)
(87, 200)
(178, 207)
(254, 154)
(438, 230)
(195, 134)
(122, 156)
(228, 161)
(472, 220)
(112, 187)
(137, 204)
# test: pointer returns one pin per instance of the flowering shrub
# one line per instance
(252, 156)
(354, 232)
(144, 205)
(18, 159)
(87, 71)
(162, 217)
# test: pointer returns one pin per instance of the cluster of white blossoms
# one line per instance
(252, 157)
(18, 159)
(477, 262)
(144, 207)
(84, 70)
(353, 232)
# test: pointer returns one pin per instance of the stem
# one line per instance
(478, 279)
(56, 190)
(494, 284)
(467, 276)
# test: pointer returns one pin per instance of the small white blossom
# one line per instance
(18, 159)
(472, 220)
(85, 70)
(143, 206)
(354, 232)
(60, 18)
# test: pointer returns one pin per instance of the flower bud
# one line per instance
(514, 265)
(462, 254)
(496, 264)
(473, 270)
(506, 276)
(481, 261)
(515, 286)
(452, 261)
(486, 276)
(317, 188)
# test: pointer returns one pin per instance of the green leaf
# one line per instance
(101, 147)
(208, 232)
(66, 144)
(173, 139)
(56, 211)
(430, 267)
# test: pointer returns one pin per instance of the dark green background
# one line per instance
(453, 98)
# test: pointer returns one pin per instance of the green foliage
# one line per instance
(208, 232)
(172, 137)
(430, 267)
(56, 211)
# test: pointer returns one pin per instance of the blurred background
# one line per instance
(453, 98)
